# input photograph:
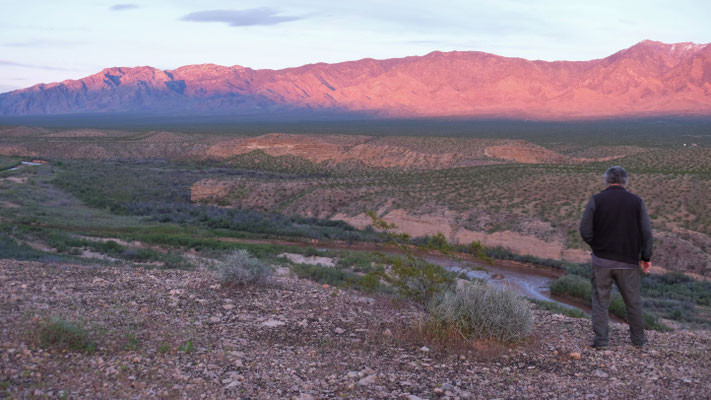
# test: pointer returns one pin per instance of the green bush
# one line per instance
(240, 269)
(572, 285)
(63, 334)
(481, 311)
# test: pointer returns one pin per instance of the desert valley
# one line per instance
(227, 232)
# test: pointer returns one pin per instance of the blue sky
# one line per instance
(52, 40)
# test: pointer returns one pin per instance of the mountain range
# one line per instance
(649, 78)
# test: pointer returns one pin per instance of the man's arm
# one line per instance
(586, 224)
(647, 238)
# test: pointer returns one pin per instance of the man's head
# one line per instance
(616, 176)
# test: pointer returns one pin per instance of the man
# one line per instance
(616, 226)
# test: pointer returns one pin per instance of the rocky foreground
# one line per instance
(178, 334)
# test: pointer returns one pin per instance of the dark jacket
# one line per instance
(616, 226)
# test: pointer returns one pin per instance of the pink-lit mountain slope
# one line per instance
(649, 78)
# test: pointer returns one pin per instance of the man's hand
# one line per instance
(646, 266)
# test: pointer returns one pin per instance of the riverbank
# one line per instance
(179, 334)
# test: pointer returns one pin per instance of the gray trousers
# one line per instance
(628, 281)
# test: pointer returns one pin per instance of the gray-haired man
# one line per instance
(616, 226)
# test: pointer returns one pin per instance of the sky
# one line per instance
(53, 40)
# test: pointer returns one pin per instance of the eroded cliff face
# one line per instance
(649, 78)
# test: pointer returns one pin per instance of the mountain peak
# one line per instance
(676, 48)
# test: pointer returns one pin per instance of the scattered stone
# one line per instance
(368, 380)
(272, 323)
(233, 384)
(575, 355)
(600, 373)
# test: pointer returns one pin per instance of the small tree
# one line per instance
(411, 275)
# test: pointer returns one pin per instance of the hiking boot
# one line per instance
(599, 346)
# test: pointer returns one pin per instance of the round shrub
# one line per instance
(240, 269)
(481, 311)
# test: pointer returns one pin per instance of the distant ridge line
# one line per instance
(648, 79)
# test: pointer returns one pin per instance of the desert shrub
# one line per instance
(481, 311)
(66, 335)
(240, 269)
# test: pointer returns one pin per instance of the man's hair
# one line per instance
(616, 175)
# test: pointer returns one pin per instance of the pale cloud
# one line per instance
(8, 63)
(248, 17)
(42, 43)
(123, 7)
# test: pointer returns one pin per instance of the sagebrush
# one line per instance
(480, 311)
(240, 268)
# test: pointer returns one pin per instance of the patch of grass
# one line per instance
(652, 322)
(131, 342)
(66, 335)
(358, 261)
(164, 348)
(480, 311)
(187, 347)
(337, 277)
(317, 273)
(558, 309)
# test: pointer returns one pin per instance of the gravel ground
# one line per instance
(179, 334)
